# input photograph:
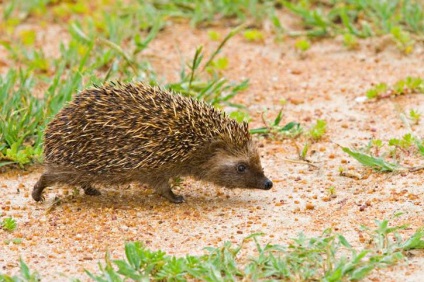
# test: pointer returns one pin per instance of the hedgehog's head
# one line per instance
(235, 166)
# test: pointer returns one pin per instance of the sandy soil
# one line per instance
(76, 234)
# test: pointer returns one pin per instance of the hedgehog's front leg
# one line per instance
(164, 189)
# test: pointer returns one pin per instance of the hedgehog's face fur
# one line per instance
(236, 168)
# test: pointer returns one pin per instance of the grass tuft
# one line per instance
(409, 85)
(327, 257)
(290, 130)
(216, 90)
(318, 130)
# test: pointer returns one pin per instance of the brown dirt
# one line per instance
(323, 85)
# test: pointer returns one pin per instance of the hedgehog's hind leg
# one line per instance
(45, 180)
(89, 190)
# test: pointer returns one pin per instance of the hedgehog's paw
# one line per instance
(38, 197)
(88, 190)
(176, 199)
(37, 192)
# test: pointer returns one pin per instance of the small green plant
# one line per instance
(404, 143)
(27, 37)
(9, 224)
(332, 191)
(377, 91)
(214, 35)
(254, 35)
(350, 41)
(409, 85)
(402, 39)
(318, 130)
(302, 45)
(415, 116)
(291, 129)
(219, 64)
(376, 144)
(240, 116)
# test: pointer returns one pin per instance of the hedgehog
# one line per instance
(120, 133)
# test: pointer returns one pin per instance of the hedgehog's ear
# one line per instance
(216, 145)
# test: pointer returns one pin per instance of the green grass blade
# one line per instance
(376, 163)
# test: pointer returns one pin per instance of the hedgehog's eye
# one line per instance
(241, 168)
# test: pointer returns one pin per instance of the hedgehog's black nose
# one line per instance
(268, 184)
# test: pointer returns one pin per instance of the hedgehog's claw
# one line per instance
(40, 198)
(176, 199)
(37, 194)
(88, 190)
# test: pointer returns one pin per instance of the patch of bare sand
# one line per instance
(76, 234)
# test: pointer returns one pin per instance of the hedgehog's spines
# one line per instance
(105, 127)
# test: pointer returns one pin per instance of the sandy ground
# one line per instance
(324, 84)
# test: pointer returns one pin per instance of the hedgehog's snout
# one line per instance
(267, 184)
